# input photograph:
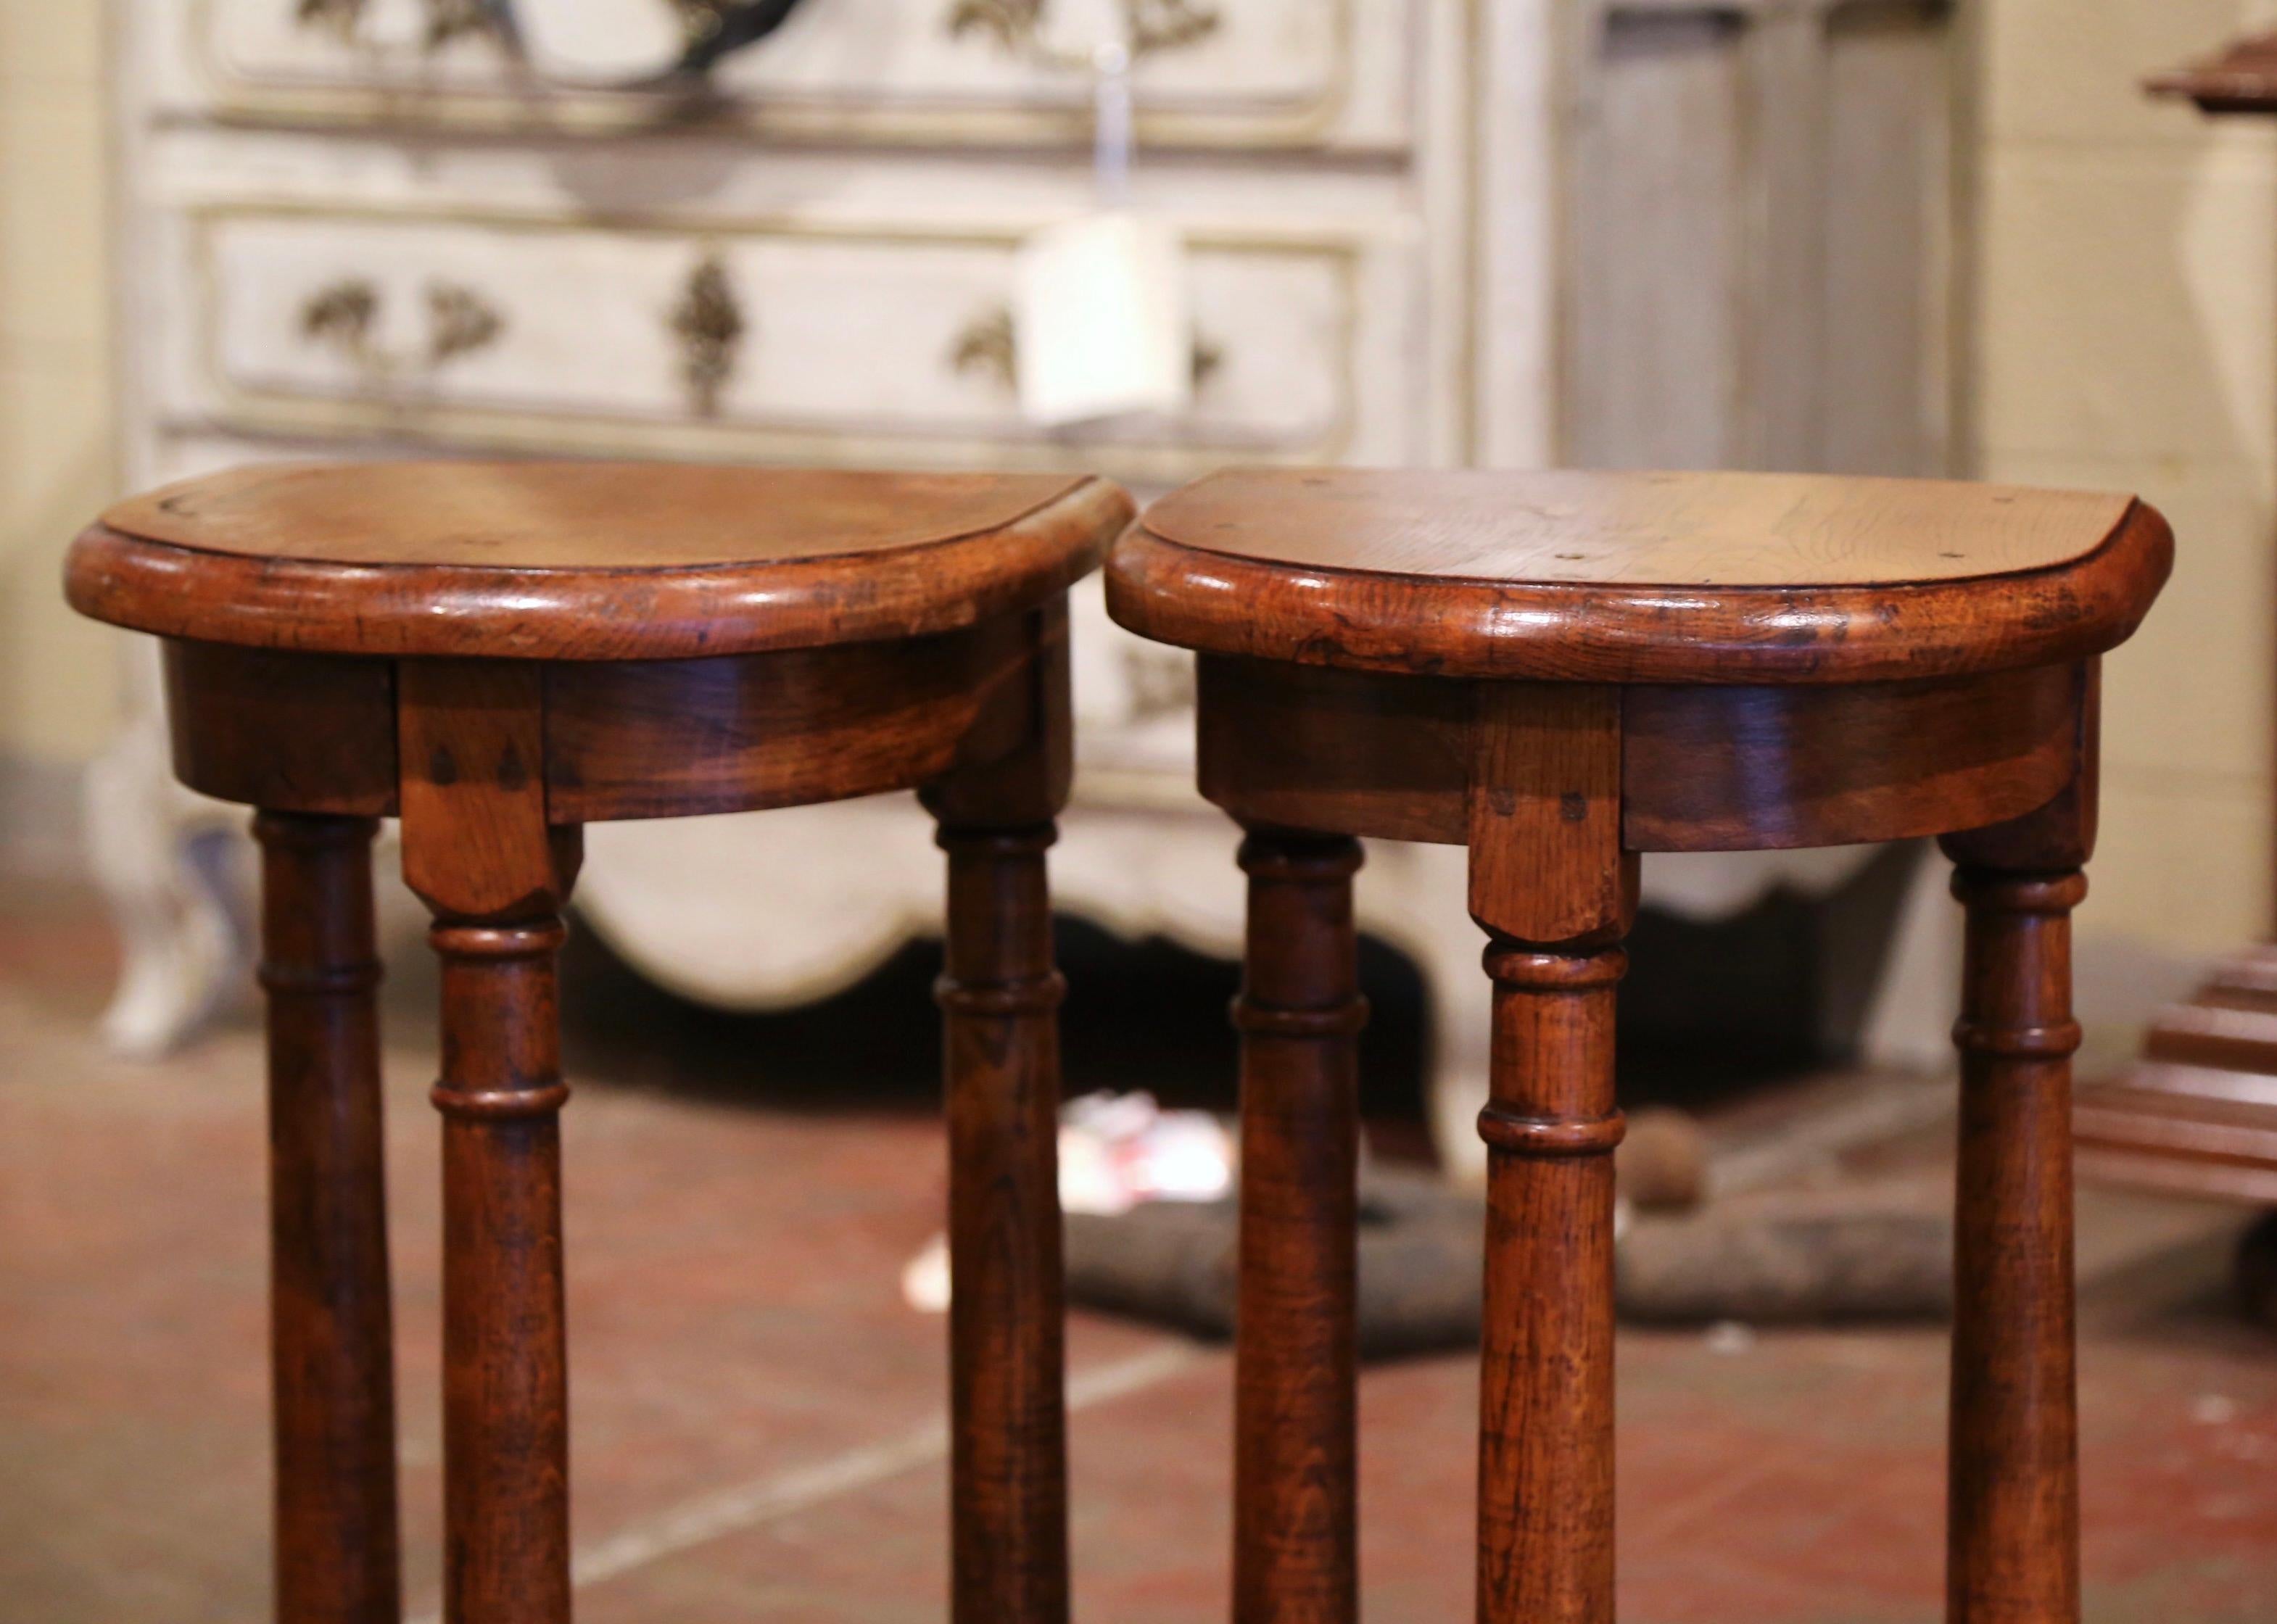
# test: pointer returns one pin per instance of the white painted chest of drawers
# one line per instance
(1421, 232)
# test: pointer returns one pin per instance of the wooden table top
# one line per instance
(584, 560)
(1638, 577)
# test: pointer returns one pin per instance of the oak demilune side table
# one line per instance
(498, 655)
(1562, 670)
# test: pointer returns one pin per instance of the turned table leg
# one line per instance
(505, 1440)
(2014, 1493)
(1299, 1012)
(1555, 892)
(1546, 1407)
(999, 997)
(479, 852)
(331, 1353)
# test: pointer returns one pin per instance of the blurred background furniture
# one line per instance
(1617, 233)
(2199, 1115)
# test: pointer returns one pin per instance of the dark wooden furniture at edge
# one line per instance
(2198, 1115)
(1561, 672)
(497, 656)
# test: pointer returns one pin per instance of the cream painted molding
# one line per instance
(1045, 105)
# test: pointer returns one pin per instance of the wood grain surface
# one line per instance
(1765, 769)
(791, 727)
(1589, 528)
(499, 656)
(1562, 670)
(289, 732)
(332, 1372)
(1296, 1403)
(607, 561)
(2012, 1525)
(1000, 994)
(478, 851)
(572, 516)
(1713, 577)
(1555, 893)
(1702, 768)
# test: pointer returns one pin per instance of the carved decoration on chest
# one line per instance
(1155, 25)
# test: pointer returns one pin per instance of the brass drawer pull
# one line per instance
(1017, 25)
(708, 321)
(344, 316)
(446, 21)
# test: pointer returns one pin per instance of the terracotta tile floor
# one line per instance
(756, 1416)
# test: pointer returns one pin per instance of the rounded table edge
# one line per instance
(1225, 604)
(460, 612)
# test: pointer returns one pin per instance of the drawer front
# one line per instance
(1284, 74)
(768, 340)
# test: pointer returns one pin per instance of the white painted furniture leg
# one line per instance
(183, 949)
